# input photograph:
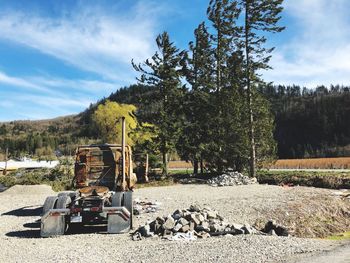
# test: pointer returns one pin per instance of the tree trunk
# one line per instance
(202, 166)
(218, 62)
(6, 159)
(165, 165)
(195, 166)
(249, 93)
(146, 170)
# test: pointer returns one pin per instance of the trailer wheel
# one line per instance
(129, 204)
(71, 194)
(63, 201)
(49, 203)
(117, 199)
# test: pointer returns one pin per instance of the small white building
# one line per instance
(27, 164)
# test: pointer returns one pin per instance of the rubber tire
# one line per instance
(117, 199)
(49, 203)
(71, 194)
(127, 202)
(63, 202)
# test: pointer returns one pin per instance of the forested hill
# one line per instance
(309, 123)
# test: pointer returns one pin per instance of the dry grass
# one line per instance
(314, 163)
(180, 165)
(313, 217)
(333, 180)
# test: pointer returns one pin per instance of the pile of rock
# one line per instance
(192, 223)
(230, 179)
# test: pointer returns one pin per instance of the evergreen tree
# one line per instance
(223, 15)
(260, 16)
(198, 70)
(163, 73)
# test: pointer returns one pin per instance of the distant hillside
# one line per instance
(41, 137)
(44, 137)
(309, 123)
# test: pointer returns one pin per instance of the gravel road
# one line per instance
(20, 209)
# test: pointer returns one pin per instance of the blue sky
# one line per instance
(57, 57)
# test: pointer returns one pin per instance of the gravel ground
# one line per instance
(20, 242)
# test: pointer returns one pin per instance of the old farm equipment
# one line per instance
(104, 180)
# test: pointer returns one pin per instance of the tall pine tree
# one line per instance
(225, 132)
(260, 16)
(162, 72)
(198, 70)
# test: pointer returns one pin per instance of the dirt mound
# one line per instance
(29, 190)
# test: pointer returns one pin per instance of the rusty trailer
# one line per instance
(104, 179)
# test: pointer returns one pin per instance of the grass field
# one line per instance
(333, 180)
(313, 163)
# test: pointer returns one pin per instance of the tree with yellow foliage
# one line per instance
(107, 118)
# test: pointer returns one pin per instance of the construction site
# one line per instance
(226, 218)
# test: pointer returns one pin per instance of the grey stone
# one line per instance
(272, 232)
(145, 231)
(239, 232)
(155, 227)
(194, 219)
(278, 229)
(183, 221)
(191, 225)
(235, 226)
(167, 233)
(203, 234)
(161, 220)
(177, 214)
(177, 227)
(248, 229)
(212, 214)
(200, 218)
(187, 215)
(137, 236)
(219, 217)
(204, 226)
(185, 228)
(215, 228)
(195, 208)
(169, 223)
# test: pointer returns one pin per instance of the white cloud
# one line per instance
(19, 82)
(319, 49)
(56, 86)
(28, 97)
(79, 85)
(87, 39)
